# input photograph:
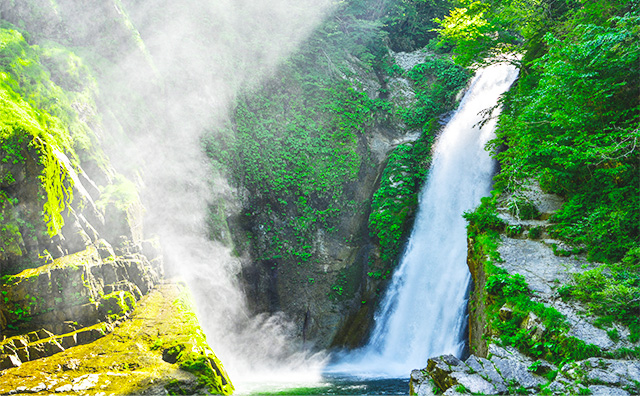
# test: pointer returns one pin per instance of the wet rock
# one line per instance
(43, 333)
(105, 250)
(72, 364)
(23, 354)
(68, 341)
(89, 335)
(85, 382)
(9, 361)
(170, 355)
(33, 336)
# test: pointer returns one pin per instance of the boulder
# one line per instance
(602, 390)
(9, 361)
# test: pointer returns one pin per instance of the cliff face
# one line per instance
(523, 331)
(82, 286)
(322, 252)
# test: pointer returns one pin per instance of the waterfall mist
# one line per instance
(173, 75)
(423, 313)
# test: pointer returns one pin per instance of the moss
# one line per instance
(191, 351)
(122, 193)
(134, 348)
(118, 303)
(498, 288)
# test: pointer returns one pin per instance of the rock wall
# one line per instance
(331, 297)
(525, 251)
(82, 291)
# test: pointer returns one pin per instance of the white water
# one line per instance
(423, 311)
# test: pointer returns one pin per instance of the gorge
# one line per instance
(252, 172)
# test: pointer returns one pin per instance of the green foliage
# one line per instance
(484, 218)
(394, 201)
(610, 291)
(523, 208)
(437, 82)
(506, 285)
(297, 149)
(38, 117)
(554, 344)
(583, 146)
(57, 183)
(535, 232)
(194, 355)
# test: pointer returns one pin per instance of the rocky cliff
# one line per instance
(525, 335)
(323, 218)
(82, 287)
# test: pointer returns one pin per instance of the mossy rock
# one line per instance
(163, 319)
(118, 303)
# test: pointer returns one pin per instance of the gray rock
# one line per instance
(519, 255)
(452, 392)
(441, 367)
(601, 390)
(557, 387)
(533, 325)
(423, 389)
(505, 313)
(487, 370)
(508, 352)
(418, 376)
(602, 376)
(515, 371)
(474, 383)
(474, 364)
(627, 370)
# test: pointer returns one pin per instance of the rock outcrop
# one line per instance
(160, 349)
(86, 288)
(507, 371)
(535, 266)
(331, 290)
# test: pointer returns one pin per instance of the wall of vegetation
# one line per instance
(570, 123)
(298, 146)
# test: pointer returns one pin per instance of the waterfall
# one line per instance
(423, 313)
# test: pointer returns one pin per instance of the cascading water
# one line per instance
(423, 311)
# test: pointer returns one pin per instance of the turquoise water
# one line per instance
(343, 385)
